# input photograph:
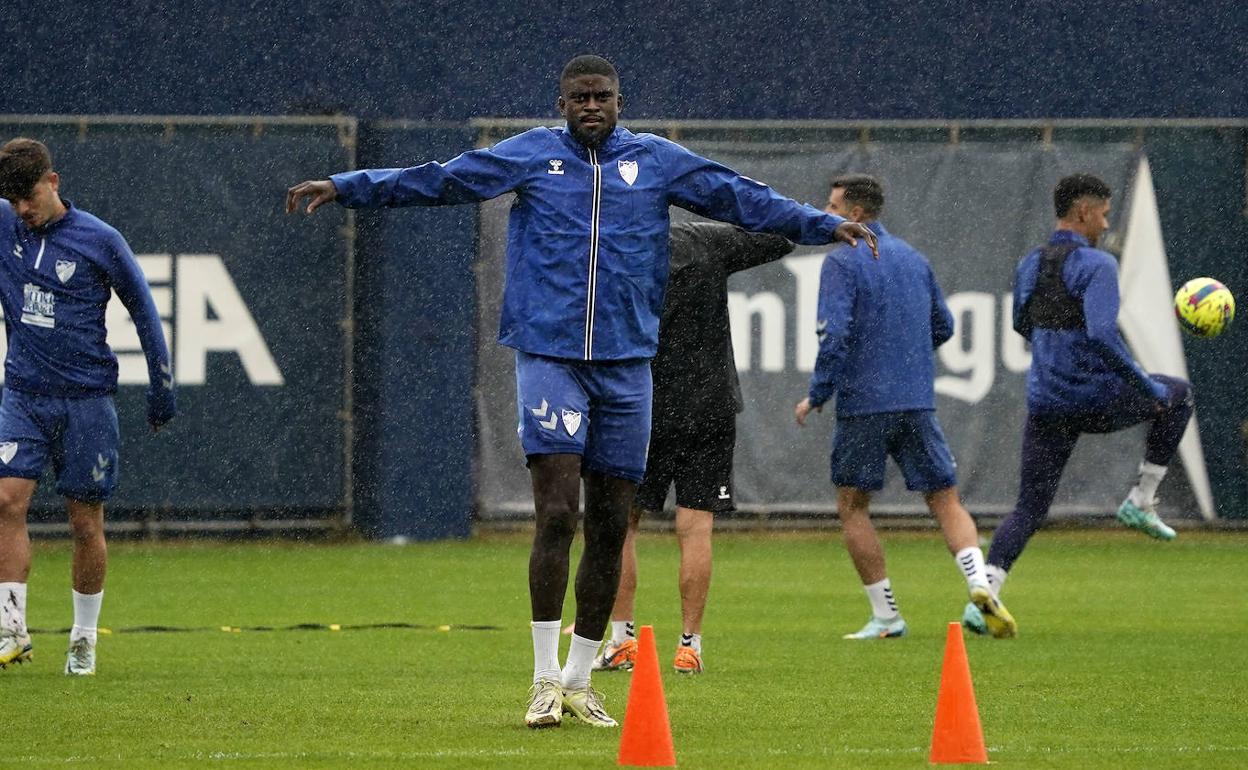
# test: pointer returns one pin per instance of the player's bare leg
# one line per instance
(620, 651)
(15, 495)
(608, 501)
(954, 520)
(556, 496)
(693, 534)
(86, 523)
(963, 540)
(556, 499)
(853, 506)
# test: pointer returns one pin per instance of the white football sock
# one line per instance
(1145, 489)
(13, 601)
(996, 578)
(86, 616)
(692, 640)
(971, 561)
(545, 649)
(580, 658)
(622, 630)
(883, 605)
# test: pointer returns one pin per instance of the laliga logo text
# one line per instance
(967, 363)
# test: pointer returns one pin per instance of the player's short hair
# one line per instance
(861, 190)
(588, 64)
(1072, 188)
(23, 162)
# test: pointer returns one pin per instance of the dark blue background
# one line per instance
(700, 59)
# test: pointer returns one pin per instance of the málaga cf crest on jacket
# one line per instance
(587, 242)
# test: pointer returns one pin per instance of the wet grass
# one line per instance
(1130, 654)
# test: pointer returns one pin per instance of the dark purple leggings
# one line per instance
(1048, 441)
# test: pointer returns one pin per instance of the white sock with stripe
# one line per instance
(883, 605)
(971, 561)
(622, 631)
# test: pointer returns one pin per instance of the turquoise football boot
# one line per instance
(880, 629)
(973, 620)
(1144, 519)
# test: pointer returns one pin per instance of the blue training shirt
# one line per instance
(587, 239)
(55, 283)
(1078, 370)
(879, 323)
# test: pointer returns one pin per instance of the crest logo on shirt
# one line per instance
(7, 450)
(628, 171)
(65, 269)
(17, 250)
(556, 167)
(571, 421)
(723, 493)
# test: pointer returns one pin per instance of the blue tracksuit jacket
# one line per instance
(587, 243)
(879, 322)
(1079, 370)
(55, 282)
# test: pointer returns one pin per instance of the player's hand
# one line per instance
(803, 410)
(850, 232)
(317, 191)
(162, 406)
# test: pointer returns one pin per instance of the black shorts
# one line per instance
(694, 453)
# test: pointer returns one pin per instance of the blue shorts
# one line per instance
(598, 410)
(79, 435)
(860, 445)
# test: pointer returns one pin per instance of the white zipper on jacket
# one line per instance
(42, 242)
(595, 211)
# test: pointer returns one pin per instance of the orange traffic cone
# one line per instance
(957, 737)
(646, 740)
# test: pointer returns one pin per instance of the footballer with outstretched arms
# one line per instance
(58, 268)
(587, 263)
(1083, 378)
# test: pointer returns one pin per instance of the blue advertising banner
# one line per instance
(254, 305)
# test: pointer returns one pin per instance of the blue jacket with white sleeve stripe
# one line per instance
(587, 242)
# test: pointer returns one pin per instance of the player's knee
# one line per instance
(556, 528)
(694, 524)
(13, 503)
(853, 505)
(86, 527)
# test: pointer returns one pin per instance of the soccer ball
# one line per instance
(1204, 307)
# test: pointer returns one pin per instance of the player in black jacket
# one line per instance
(693, 425)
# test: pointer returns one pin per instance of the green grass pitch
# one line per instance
(1131, 654)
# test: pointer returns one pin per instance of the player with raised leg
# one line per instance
(880, 321)
(58, 268)
(1082, 378)
(587, 262)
